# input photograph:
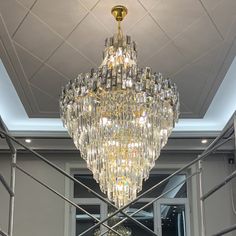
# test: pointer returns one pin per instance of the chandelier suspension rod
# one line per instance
(200, 157)
(75, 180)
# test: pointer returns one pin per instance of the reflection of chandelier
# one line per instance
(122, 230)
(120, 116)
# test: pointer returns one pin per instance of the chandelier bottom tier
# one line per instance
(120, 117)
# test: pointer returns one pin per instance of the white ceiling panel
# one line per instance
(197, 81)
(46, 104)
(26, 3)
(149, 4)
(224, 16)
(76, 64)
(210, 4)
(147, 31)
(35, 36)
(89, 4)
(135, 13)
(89, 42)
(29, 62)
(198, 39)
(13, 13)
(61, 15)
(49, 81)
(175, 16)
(167, 61)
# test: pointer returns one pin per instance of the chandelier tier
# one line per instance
(120, 117)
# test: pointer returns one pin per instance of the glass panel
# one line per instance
(145, 216)
(87, 179)
(173, 220)
(178, 192)
(83, 221)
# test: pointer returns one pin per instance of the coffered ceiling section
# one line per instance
(45, 43)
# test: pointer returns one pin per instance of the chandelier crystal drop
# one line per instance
(120, 117)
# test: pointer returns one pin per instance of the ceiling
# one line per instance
(44, 44)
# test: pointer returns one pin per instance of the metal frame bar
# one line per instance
(5, 184)
(3, 233)
(225, 231)
(63, 197)
(154, 200)
(220, 185)
(202, 208)
(12, 179)
(76, 181)
(211, 148)
(12, 198)
(206, 153)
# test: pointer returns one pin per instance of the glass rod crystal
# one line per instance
(120, 117)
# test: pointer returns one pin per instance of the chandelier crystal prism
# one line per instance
(120, 117)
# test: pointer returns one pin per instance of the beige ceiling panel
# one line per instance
(167, 61)
(149, 38)
(224, 16)
(61, 15)
(49, 81)
(197, 81)
(13, 13)
(46, 104)
(27, 3)
(89, 38)
(30, 64)
(149, 4)
(103, 12)
(70, 62)
(198, 39)
(89, 4)
(210, 4)
(190, 87)
(214, 60)
(37, 37)
(175, 16)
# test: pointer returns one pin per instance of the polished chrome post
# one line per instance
(202, 210)
(12, 197)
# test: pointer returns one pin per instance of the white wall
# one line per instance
(40, 213)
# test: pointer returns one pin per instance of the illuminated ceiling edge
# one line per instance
(16, 118)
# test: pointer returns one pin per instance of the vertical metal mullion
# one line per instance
(12, 198)
(157, 218)
(202, 210)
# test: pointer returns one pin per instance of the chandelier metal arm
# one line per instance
(200, 157)
(64, 198)
(74, 180)
(151, 202)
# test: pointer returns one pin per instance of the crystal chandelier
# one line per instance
(120, 116)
